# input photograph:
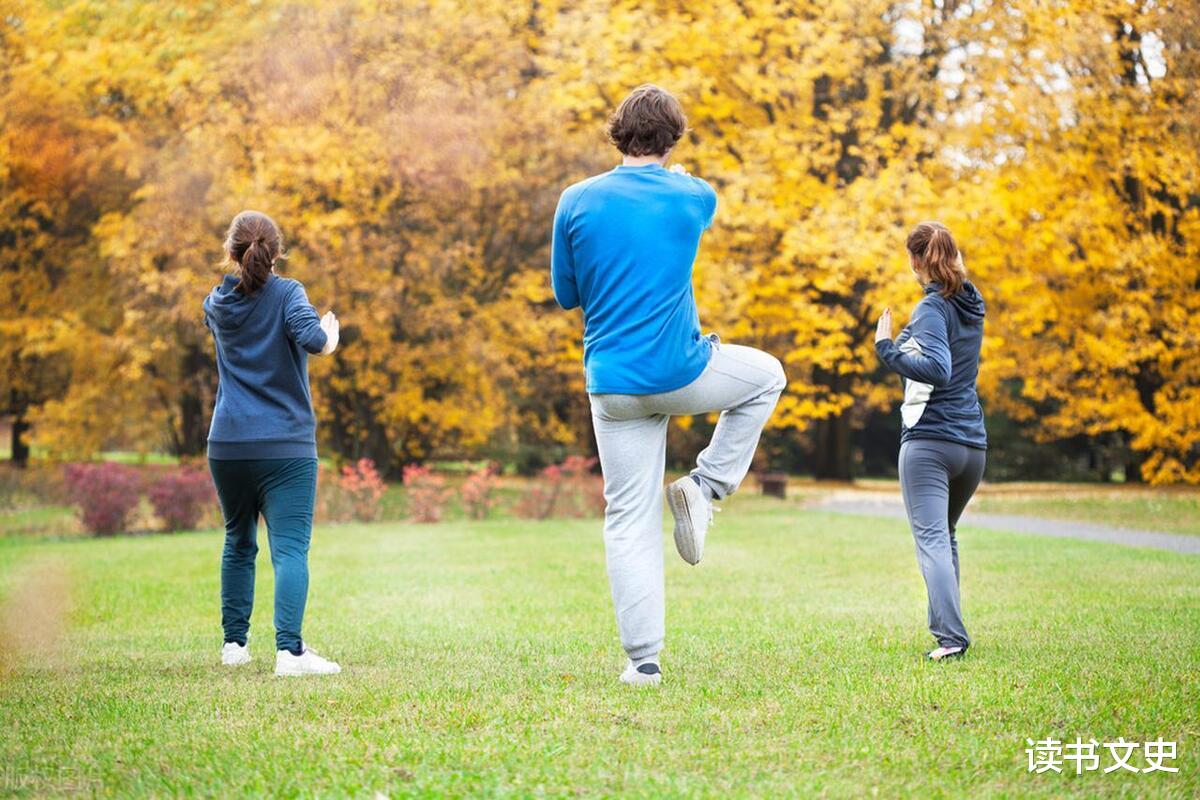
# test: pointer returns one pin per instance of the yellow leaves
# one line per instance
(413, 153)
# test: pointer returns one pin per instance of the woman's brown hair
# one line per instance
(647, 123)
(254, 244)
(936, 257)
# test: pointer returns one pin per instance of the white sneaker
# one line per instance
(648, 674)
(307, 663)
(945, 652)
(693, 512)
(234, 654)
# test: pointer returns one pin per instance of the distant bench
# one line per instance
(774, 484)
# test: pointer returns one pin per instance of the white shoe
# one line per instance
(234, 654)
(945, 652)
(648, 674)
(693, 513)
(307, 663)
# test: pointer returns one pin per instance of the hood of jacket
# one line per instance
(227, 308)
(968, 302)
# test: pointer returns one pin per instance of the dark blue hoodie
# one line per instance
(264, 407)
(937, 355)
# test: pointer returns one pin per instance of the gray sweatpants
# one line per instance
(937, 479)
(631, 433)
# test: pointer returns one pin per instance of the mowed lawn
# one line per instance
(1166, 510)
(481, 659)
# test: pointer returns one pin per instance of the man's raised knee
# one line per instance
(778, 376)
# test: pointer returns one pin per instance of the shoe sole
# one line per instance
(685, 531)
(301, 673)
(235, 663)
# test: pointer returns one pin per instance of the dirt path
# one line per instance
(879, 504)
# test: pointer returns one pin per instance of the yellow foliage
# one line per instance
(413, 152)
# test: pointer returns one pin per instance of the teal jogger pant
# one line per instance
(283, 491)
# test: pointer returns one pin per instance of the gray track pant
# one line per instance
(631, 433)
(937, 479)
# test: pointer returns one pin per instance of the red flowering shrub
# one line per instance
(584, 491)
(180, 496)
(364, 488)
(107, 495)
(540, 498)
(478, 493)
(427, 493)
(569, 489)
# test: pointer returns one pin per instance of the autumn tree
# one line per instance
(1088, 228)
(1040, 133)
(817, 122)
(399, 148)
(55, 181)
(413, 153)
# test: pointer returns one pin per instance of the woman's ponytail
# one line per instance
(254, 244)
(937, 257)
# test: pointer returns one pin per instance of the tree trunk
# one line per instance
(194, 403)
(833, 460)
(20, 448)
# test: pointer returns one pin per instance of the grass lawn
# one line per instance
(1170, 511)
(481, 659)
(39, 521)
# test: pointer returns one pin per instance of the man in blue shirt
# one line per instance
(624, 245)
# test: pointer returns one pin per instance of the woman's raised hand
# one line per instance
(883, 328)
(329, 324)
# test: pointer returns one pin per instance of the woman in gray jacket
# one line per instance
(943, 441)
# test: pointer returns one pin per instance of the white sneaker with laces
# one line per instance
(234, 654)
(693, 514)
(645, 674)
(307, 663)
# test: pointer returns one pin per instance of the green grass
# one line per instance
(481, 659)
(1162, 510)
(39, 521)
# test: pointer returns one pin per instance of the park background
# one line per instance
(413, 154)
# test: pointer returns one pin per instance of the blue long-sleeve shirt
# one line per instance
(937, 355)
(623, 247)
(264, 405)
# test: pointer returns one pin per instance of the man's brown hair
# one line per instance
(647, 123)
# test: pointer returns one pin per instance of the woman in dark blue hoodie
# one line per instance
(262, 446)
(943, 441)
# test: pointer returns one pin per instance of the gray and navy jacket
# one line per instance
(937, 357)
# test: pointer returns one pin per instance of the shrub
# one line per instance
(540, 497)
(180, 496)
(107, 495)
(569, 489)
(584, 491)
(34, 486)
(13, 493)
(427, 493)
(333, 503)
(361, 484)
(478, 493)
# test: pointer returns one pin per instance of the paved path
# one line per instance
(891, 506)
